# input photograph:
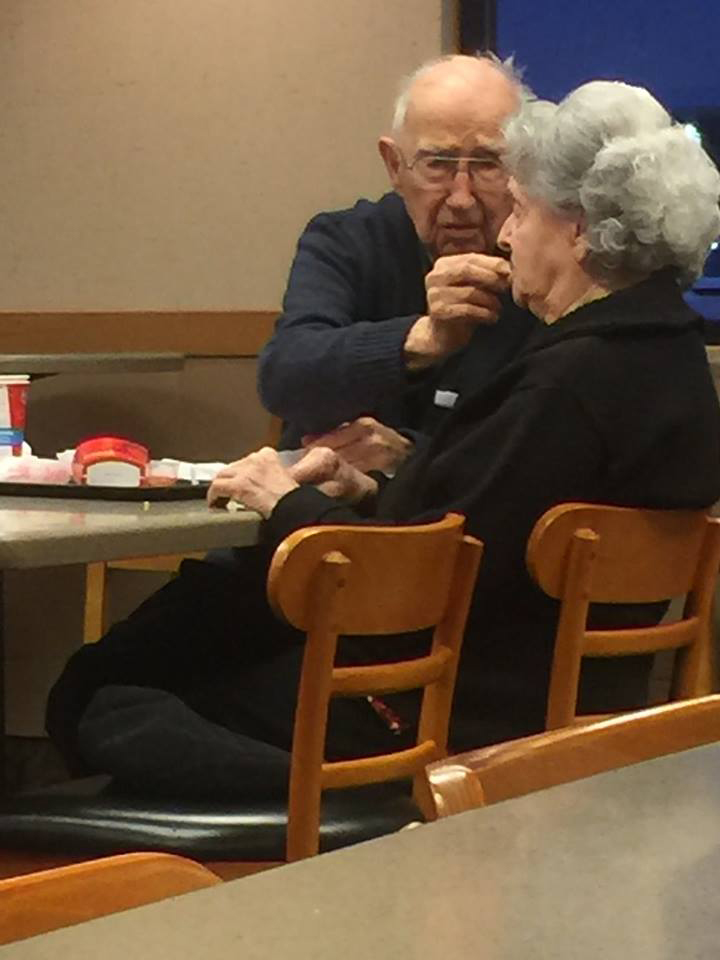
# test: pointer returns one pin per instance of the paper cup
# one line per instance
(13, 401)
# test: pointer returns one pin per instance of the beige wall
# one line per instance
(165, 154)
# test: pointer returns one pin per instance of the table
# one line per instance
(622, 865)
(48, 532)
(45, 532)
(44, 364)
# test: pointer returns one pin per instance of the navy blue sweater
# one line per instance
(355, 288)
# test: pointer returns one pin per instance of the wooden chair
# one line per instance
(588, 553)
(326, 581)
(330, 581)
(39, 902)
(97, 574)
(482, 777)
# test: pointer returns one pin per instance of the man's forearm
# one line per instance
(319, 377)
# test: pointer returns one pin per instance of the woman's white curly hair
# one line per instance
(646, 189)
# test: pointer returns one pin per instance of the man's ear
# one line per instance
(391, 158)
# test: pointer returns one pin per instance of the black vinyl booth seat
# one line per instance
(91, 818)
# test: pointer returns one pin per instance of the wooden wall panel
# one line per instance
(207, 333)
(165, 154)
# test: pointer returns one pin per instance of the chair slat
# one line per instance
(665, 636)
(387, 567)
(390, 677)
(660, 548)
(388, 766)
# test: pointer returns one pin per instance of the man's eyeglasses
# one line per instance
(439, 170)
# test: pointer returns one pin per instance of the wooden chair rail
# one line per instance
(394, 766)
(390, 678)
(200, 333)
(512, 769)
(612, 643)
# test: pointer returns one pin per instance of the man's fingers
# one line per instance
(334, 439)
(491, 273)
(355, 453)
(340, 437)
(460, 312)
(319, 464)
(469, 276)
(486, 260)
(450, 296)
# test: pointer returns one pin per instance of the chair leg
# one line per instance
(95, 602)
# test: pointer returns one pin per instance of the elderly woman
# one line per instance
(612, 401)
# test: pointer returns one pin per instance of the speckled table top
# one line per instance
(621, 865)
(39, 532)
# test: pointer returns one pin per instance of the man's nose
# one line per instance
(461, 194)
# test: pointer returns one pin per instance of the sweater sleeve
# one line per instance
(326, 362)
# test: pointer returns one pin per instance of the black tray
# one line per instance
(181, 490)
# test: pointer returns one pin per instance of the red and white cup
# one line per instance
(13, 403)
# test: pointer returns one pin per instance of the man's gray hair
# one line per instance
(400, 108)
(647, 190)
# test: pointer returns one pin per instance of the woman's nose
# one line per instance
(503, 240)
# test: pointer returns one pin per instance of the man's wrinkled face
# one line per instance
(454, 118)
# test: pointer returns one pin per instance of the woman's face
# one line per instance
(545, 253)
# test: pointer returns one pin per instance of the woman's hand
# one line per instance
(328, 471)
(258, 481)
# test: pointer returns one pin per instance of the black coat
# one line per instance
(612, 404)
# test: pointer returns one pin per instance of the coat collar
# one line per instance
(653, 306)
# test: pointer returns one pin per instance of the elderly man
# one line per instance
(381, 295)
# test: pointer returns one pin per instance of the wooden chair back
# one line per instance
(590, 553)
(368, 580)
(517, 767)
(39, 902)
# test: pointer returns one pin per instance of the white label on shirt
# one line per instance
(445, 398)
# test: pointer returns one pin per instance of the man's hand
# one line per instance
(257, 481)
(328, 471)
(365, 444)
(462, 292)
